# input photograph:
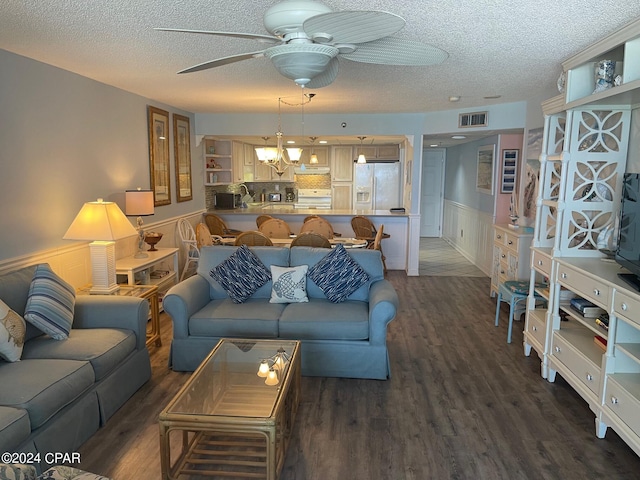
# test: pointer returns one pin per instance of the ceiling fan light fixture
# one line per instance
(301, 62)
(288, 16)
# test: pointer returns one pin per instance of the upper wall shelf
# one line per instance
(624, 48)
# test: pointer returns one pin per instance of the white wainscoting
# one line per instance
(73, 263)
(470, 232)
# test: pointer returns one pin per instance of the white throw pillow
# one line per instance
(13, 329)
(289, 284)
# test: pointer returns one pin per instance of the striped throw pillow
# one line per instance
(50, 303)
(338, 275)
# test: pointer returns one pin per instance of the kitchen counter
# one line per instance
(281, 208)
(395, 224)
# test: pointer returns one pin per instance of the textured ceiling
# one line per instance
(511, 48)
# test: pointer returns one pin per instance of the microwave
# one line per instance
(228, 200)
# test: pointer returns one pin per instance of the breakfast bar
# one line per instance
(395, 224)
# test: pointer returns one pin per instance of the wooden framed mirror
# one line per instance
(182, 155)
(159, 155)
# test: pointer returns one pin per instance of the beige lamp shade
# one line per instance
(138, 202)
(100, 221)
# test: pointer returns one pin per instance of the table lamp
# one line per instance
(102, 223)
(139, 202)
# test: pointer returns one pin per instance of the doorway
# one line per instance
(432, 191)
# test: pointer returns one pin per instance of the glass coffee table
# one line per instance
(234, 416)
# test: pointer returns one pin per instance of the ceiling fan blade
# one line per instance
(326, 77)
(353, 26)
(223, 61)
(250, 36)
(397, 51)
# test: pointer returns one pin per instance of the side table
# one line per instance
(149, 292)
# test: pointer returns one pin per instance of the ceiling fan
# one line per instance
(308, 38)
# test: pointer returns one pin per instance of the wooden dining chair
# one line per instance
(377, 245)
(203, 236)
(275, 228)
(260, 219)
(253, 238)
(218, 227)
(364, 229)
(318, 225)
(310, 239)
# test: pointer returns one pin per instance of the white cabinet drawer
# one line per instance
(511, 242)
(536, 328)
(622, 403)
(584, 286)
(626, 306)
(541, 263)
(577, 363)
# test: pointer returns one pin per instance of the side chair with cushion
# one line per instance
(514, 292)
(253, 238)
(310, 239)
(275, 228)
(218, 227)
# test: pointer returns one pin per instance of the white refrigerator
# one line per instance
(376, 186)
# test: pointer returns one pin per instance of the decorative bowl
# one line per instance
(151, 239)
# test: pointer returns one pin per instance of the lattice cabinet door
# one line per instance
(594, 175)
(553, 165)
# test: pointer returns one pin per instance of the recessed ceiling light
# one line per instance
(433, 145)
(322, 141)
(454, 98)
(291, 141)
(458, 137)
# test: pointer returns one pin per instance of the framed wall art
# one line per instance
(484, 175)
(159, 155)
(509, 177)
(182, 156)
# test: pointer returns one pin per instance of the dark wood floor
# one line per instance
(461, 404)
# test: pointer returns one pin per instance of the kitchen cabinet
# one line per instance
(249, 161)
(341, 164)
(321, 152)
(237, 153)
(341, 195)
(379, 152)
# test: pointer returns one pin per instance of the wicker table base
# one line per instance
(219, 435)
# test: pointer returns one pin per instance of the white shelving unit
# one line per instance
(218, 162)
(582, 164)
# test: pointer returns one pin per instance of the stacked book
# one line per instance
(586, 308)
(603, 321)
(601, 342)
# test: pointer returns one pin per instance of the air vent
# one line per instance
(473, 119)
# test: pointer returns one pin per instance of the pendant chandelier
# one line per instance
(361, 157)
(314, 158)
(275, 157)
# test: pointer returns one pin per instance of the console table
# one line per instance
(159, 268)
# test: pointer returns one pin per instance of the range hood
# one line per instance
(311, 170)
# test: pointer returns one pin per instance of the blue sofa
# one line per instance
(347, 339)
(61, 391)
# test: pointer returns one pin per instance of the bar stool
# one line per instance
(513, 292)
